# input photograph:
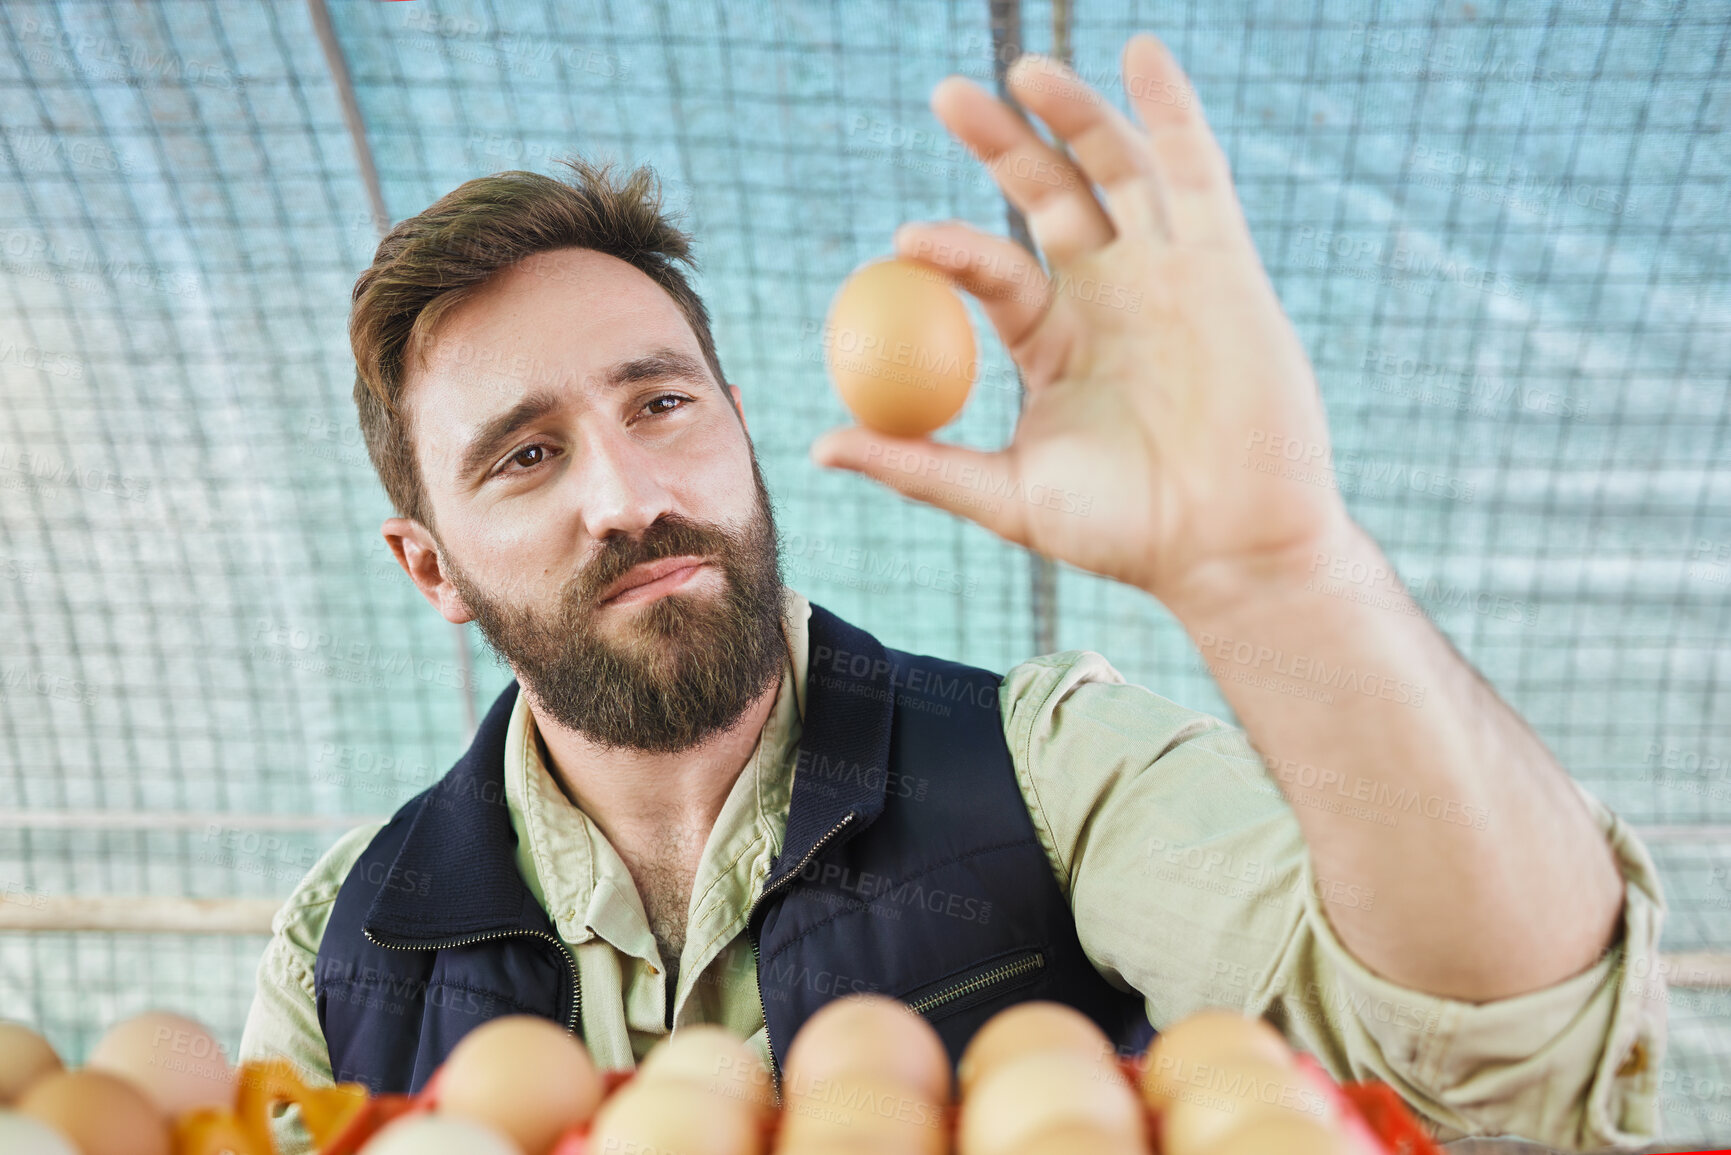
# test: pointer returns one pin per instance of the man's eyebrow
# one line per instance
(493, 435)
(660, 365)
(495, 432)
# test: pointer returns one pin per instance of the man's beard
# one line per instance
(687, 666)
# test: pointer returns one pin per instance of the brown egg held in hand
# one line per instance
(1205, 1038)
(25, 1057)
(102, 1114)
(859, 1108)
(869, 1035)
(523, 1075)
(1042, 1091)
(176, 1062)
(900, 347)
(1030, 1028)
(1231, 1093)
(675, 1116)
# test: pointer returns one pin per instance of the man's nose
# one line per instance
(618, 485)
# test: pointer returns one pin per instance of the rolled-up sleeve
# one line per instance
(1191, 884)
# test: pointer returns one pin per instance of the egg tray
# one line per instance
(1370, 1112)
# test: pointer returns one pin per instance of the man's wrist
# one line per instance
(1222, 592)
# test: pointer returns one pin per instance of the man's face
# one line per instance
(598, 507)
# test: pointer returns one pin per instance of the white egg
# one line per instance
(713, 1058)
(439, 1135)
(22, 1135)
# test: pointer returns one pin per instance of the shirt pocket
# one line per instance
(991, 980)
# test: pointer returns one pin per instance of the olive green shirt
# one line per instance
(1189, 880)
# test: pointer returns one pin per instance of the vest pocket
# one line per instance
(978, 984)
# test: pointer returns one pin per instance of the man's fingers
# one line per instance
(967, 482)
(1063, 216)
(1011, 286)
(1113, 153)
(1191, 168)
(1161, 94)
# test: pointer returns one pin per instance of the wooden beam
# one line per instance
(142, 914)
(177, 820)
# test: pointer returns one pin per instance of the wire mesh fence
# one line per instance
(1500, 228)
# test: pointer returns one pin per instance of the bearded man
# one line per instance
(705, 800)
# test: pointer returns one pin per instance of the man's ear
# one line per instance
(739, 408)
(418, 554)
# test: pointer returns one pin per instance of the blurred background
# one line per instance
(1500, 227)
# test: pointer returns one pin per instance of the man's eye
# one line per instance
(674, 397)
(529, 456)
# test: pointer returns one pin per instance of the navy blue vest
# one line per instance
(909, 867)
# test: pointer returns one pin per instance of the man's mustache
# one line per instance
(670, 535)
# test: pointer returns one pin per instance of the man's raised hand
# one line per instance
(1165, 386)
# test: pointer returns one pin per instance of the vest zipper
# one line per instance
(756, 962)
(565, 951)
(1016, 967)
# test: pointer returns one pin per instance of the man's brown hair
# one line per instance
(429, 263)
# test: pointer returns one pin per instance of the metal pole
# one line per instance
(357, 126)
(1006, 17)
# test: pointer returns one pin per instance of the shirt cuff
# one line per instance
(1574, 1065)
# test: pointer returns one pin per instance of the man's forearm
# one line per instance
(1410, 777)
(1152, 413)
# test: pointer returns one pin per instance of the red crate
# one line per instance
(1371, 1112)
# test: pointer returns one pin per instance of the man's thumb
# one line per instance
(967, 482)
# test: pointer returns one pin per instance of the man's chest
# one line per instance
(663, 870)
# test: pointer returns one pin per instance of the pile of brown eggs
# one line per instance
(865, 1076)
(144, 1074)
